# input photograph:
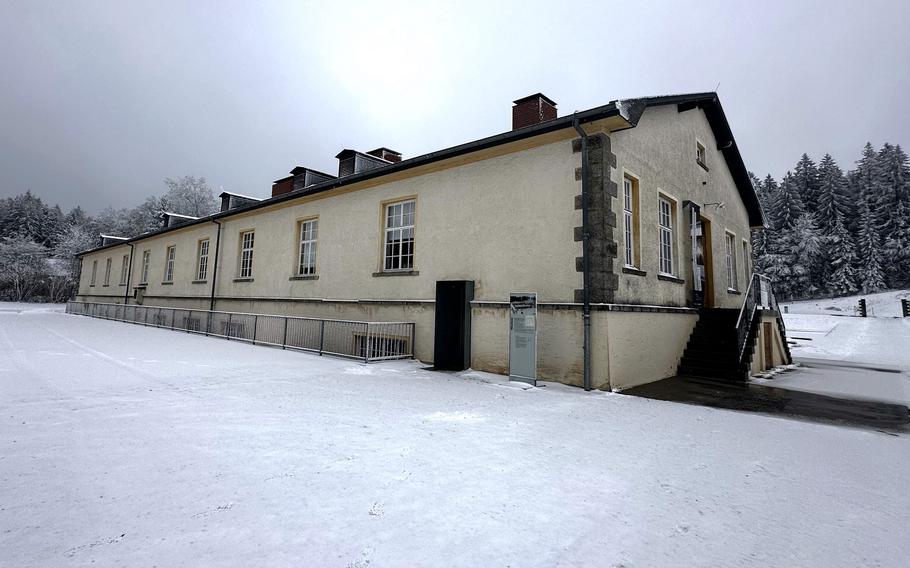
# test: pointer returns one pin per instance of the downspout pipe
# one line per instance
(129, 276)
(585, 254)
(215, 266)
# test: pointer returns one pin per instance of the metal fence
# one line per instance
(368, 341)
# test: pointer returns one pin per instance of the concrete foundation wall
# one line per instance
(646, 347)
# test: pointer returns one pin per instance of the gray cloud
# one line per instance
(102, 100)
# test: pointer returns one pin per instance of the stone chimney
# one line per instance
(532, 110)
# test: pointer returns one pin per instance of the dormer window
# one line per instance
(701, 155)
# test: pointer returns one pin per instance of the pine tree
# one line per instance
(788, 205)
(842, 258)
(871, 272)
(893, 205)
(805, 177)
(832, 203)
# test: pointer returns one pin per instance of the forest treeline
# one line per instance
(38, 242)
(836, 233)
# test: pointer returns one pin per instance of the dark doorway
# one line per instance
(452, 338)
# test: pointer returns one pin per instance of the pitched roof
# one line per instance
(629, 109)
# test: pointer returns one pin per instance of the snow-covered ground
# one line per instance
(122, 445)
(846, 355)
(882, 304)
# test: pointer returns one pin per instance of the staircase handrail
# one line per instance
(752, 303)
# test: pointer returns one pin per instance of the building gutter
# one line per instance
(215, 266)
(129, 276)
(585, 255)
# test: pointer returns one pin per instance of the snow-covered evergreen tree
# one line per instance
(841, 255)
(805, 177)
(870, 269)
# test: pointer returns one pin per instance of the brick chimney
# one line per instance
(532, 110)
(386, 154)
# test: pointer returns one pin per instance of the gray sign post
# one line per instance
(523, 337)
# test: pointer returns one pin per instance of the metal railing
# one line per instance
(759, 296)
(367, 341)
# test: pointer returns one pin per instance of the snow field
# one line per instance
(133, 446)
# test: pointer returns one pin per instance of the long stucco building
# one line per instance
(666, 244)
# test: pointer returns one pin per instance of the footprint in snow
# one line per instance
(376, 510)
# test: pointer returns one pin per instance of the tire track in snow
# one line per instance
(107, 358)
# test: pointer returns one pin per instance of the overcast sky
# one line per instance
(99, 101)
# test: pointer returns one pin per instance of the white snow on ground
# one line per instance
(882, 304)
(846, 355)
(122, 445)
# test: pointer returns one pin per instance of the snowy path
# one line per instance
(124, 445)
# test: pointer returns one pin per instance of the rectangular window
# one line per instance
(124, 269)
(306, 264)
(169, 264)
(399, 236)
(630, 221)
(94, 272)
(746, 259)
(700, 155)
(246, 254)
(730, 253)
(107, 272)
(665, 223)
(202, 262)
(144, 274)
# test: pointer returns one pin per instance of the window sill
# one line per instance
(703, 165)
(142, 285)
(734, 291)
(199, 282)
(167, 283)
(243, 279)
(122, 284)
(633, 271)
(105, 285)
(670, 278)
(305, 277)
(91, 285)
(396, 273)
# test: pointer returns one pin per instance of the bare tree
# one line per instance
(189, 195)
(22, 267)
